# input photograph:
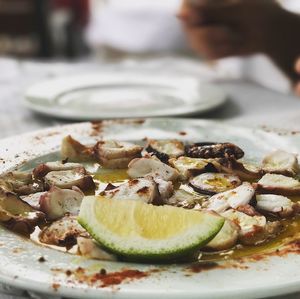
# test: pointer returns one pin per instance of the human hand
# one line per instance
(222, 28)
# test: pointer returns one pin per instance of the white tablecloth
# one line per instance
(248, 104)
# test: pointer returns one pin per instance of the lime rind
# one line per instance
(142, 248)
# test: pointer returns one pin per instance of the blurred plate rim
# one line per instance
(41, 96)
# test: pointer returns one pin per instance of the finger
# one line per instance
(214, 42)
(211, 3)
(205, 13)
(190, 16)
(297, 89)
(297, 66)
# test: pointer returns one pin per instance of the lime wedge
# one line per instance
(138, 230)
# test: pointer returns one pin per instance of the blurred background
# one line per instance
(111, 30)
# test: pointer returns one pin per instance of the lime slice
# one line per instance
(138, 230)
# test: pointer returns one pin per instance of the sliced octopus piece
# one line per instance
(240, 196)
(165, 188)
(251, 228)
(73, 150)
(21, 182)
(188, 167)
(277, 204)
(226, 238)
(248, 209)
(42, 169)
(214, 150)
(278, 184)
(63, 232)
(111, 149)
(165, 149)
(66, 179)
(185, 199)
(17, 215)
(281, 162)
(118, 163)
(33, 199)
(142, 189)
(142, 167)
(212, 183)
(234, 167)
(88, 248)
(57, 202)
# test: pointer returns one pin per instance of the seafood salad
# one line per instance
(257, 202)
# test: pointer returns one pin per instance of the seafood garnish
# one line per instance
(72, 150)
(212, 183)
(66, 179)
(88, 248)
(63, 232)
(277, 204)
(42, 169)
(141, 167)
(234, 198)
(165, 149)
(18, 215)
(188, 167)
(281, 162)
(57, 202)
(214, 150)
(226, 238)
(144, 189)
(21, 182)
(278, 184)
(116, 154)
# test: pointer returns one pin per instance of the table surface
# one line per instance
(248, 104)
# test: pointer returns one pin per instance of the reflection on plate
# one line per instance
(123, 94)
(63, 274)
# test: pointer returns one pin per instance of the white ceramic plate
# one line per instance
(123, 94)
(245, 278)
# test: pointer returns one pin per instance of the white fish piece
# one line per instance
(234, 198)
(278, 184)
(143, 189)
(212, 183)
(88, 248)
(226, 238)
(57, 202)
(281, 162)
(42, 169)
(142, 167)
(276, 204)
(66, 179)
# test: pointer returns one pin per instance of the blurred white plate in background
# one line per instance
(123, 94)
